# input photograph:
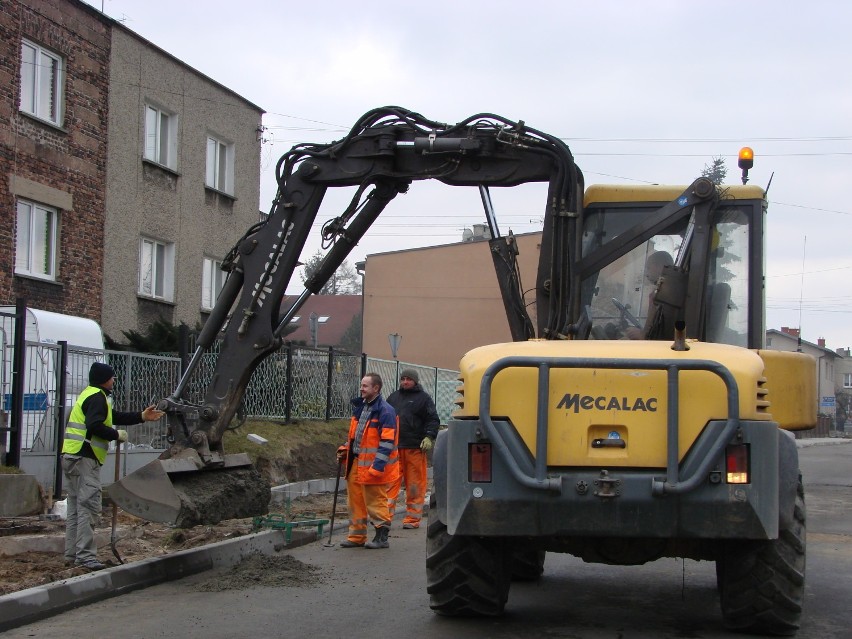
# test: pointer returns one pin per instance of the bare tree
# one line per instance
(345, 280)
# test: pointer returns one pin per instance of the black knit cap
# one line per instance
(100, 373)
(411, 373)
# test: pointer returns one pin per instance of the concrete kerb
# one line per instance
(26, 606)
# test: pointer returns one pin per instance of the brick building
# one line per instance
(54, 83)
(126, 176)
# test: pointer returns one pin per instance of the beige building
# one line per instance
(183, 185)
(442, 300)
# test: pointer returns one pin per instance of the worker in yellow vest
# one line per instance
(90, 429)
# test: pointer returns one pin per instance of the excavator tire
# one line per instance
(527, 564)
(465, 576)
(762, 583)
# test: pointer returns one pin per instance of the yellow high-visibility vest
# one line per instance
(75, 431)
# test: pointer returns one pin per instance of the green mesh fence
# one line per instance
(320, 386)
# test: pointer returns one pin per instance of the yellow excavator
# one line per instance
(637, 415)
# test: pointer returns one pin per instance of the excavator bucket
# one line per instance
(183, 492)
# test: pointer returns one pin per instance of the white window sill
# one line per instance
(218, 192)
(35, 118)
(163, 167)
(38, 278)
(150, 298)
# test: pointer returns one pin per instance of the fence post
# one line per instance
(328, 380)
(363, 367)
(13, 455)
(59, 416)
(288, 383)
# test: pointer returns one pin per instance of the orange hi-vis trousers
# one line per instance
(412, 463)
(366, 501)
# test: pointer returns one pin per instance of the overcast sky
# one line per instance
(642, 91)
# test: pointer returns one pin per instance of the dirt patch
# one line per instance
(310, 461)
(211, 497)
(139, 539)
(262, 570)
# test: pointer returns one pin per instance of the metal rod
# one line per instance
(490, 217)
(328, 544)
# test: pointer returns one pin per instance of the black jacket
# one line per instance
(95, 410)
(417, 416)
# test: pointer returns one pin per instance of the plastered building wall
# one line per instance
(442, 300)
(171, 206)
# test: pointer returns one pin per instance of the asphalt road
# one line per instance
(365, 593)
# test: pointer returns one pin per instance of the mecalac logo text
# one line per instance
(579, 402)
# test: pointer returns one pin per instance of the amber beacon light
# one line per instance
(746, 161)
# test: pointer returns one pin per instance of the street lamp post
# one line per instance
(361, 269)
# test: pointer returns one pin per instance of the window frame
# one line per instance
(51, 246)
(163, 150)
(33, 83)
(219, 165)
(161, 272)
(847, 380)
(212, 281)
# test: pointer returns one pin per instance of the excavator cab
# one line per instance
(635, 282)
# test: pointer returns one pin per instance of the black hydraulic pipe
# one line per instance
(378, 199)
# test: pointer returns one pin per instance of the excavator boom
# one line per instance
(386, 150)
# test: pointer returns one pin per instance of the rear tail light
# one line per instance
(479, 462)
(737, 464)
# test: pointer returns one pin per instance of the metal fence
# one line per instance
(296, 382)
(300, 382)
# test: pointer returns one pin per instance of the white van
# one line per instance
(44, 329)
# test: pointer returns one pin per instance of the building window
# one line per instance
(847, 380)
(220, 166)
(160, 137)
(41, 83)
(35, 240)
(212, 280)
(156, 269)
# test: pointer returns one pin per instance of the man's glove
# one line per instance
(122, 436)
(426, 444)
(341, 453)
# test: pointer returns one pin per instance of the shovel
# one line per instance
(112, 537)
(328, 544)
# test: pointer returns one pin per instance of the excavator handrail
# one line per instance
(672, 483)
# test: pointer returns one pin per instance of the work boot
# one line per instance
(91, 564)
(381, 538)
(351, 544)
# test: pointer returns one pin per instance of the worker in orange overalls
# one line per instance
(418, 428)
(372, 465)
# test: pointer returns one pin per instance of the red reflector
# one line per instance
(737, 463)
(479, 462)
